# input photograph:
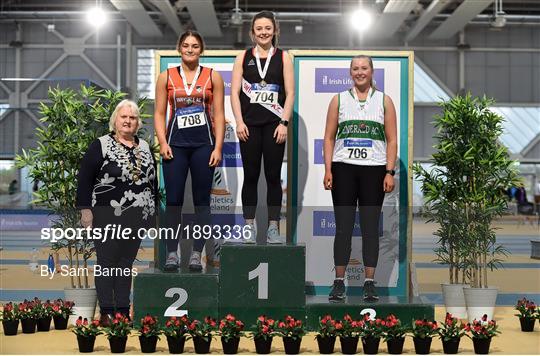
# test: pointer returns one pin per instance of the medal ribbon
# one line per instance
(368, 98)
(262, 72)
(189, 88)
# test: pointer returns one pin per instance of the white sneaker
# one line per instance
(195, 261)
(272, 235)
(172, 263)
(249, 234)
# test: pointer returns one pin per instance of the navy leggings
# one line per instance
(261, 143)
(353, 186)
(175, 173)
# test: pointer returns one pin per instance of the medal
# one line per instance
(135, 177)
(189, 101)
(262, 71)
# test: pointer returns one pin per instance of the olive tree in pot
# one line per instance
(464, 192)
(71, 121)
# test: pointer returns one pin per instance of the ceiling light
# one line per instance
(361, 20)
(96, 17)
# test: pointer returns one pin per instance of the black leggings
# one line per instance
(354, 186)
(262, 143)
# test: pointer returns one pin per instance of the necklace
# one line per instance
(262, 71)
(134, 170)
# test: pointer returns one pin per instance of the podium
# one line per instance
(254, 280)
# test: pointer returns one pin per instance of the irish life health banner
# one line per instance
(319, 75)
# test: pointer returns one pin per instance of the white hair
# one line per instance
(134, 108)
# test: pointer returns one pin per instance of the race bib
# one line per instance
(266, 95)
(358, 149)
(191, 116)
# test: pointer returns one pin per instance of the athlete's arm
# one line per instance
(160, 110)
(288, 78)
(390, 131)
(236, 85)
(330, 140)
(219, 117)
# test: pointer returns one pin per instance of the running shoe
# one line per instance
(337, 294)
(370, 293)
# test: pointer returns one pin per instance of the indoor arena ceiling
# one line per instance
(391, 17)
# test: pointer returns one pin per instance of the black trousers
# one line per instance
(113, 288)
(357, 186)
(261, 143)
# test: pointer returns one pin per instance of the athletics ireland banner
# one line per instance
(319, 75)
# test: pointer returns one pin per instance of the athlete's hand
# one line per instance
(242, 132)
(388, 184)
(280, 134)
(165, 151)
(215, 158)
(86, 218)
(328, 180)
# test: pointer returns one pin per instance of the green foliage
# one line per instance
(464, 191)
(72, 120)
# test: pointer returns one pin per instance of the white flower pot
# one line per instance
(85, 303)
(480, 301)
(454, 299)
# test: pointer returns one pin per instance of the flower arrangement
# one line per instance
(26, 309)
(393, 328)
(526, 309)
(42, 309)
(349, 327)
(10, 312)
(85, 328)
(452, 328)
(149, 327)
(371, 328)
(423, 328)
(264, 328)
(290, 328)
(482, 329)
(327, 326)
(118, 327)
(62, 308)
(230, 327)
(176, 327)
(203, 329)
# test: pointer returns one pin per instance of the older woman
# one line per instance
(116, 185)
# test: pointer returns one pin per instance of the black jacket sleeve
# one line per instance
(88, 171)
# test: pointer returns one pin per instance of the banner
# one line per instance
(319, 76)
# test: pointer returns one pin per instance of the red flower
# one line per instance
(79, 321)
(339, 325)
(265, 329)
(281, 324)
(261, 318)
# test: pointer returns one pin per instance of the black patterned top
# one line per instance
(117, 177)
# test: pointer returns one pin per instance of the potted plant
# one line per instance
(43, 314)
(481, 332)
(371, 333)
(527, 314)
(291, 331)
(10, 318)
(263, 334)
(423, 332)
(450, 333)
(27, 316)
(175, 330)
(348, 331)
(326, 334)
(149, 332)
(464, 192)
(72, 121)
(230, 330)
(86, 333)
(202, 333)
(394, 334)
(61, 312)
(117, 332)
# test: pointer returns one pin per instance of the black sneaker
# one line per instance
(370, 294)
(337, 294)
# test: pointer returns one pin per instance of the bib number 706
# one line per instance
(358, 153)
